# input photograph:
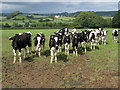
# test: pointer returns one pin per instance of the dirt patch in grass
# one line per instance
(75, 73)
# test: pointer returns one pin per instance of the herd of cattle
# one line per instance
(59, 38)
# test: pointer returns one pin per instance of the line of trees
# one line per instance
(37, 25)
(83, 20)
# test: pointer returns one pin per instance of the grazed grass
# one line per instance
(73, 71)
(107, 52)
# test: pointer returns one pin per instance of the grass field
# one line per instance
(97, 68)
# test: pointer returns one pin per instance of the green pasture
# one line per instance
(104, 57)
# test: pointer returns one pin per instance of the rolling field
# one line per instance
(94, 69)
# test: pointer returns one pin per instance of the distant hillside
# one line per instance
(106, 13)
(101, 13)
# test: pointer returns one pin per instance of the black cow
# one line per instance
(83, 39)
(115, 35)
(67, 43)
(20, 41)
(53, 44)
(75, 44)
(39, 41)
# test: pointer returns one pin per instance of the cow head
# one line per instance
(14, 41)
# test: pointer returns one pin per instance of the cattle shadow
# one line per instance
(81, 50)
(45, 53)
(63, 57)
(97, 47)
(100, 43)
(107, 43)
(71, 51)
(88, 49)
(29, 59)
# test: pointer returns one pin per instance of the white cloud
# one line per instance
(5, 6)
(60, 1)
(70, 3)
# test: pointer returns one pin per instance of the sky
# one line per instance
(45, 7)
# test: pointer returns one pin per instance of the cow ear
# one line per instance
(10, 38)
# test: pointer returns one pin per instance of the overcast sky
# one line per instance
(36, 6)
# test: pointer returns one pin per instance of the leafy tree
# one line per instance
(109, 22)
(116, 20)
(89, 19)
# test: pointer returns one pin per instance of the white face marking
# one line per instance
(56, 39)
(39, 34)
(38, 39)
(65, 29)
(105, 32)
(29, 32)
(20, 34)
(60, 33)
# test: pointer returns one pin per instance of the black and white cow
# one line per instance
(92, 39)
(39, 41)
(60, 40)
(67, 43)
(115, 35)
(74, 30)
(98, 35)
(20, 41)
(104, 36)
(53, 44)
(75, 44)
(64, 31)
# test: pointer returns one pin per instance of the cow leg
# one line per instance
(14, 52)
(91, 45)
(76, 51)
(114, 38)
(55, 56)
(85, 48)
(65, 49)
(102, 40)
(73, 50)
(68, 49)
(36, 49)
(39, 51)
(25, 50)
(60, 48)
(82, 44)
(52, 55)
(105, 42)
(94, 46)
(20, 56)
(30, 50)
